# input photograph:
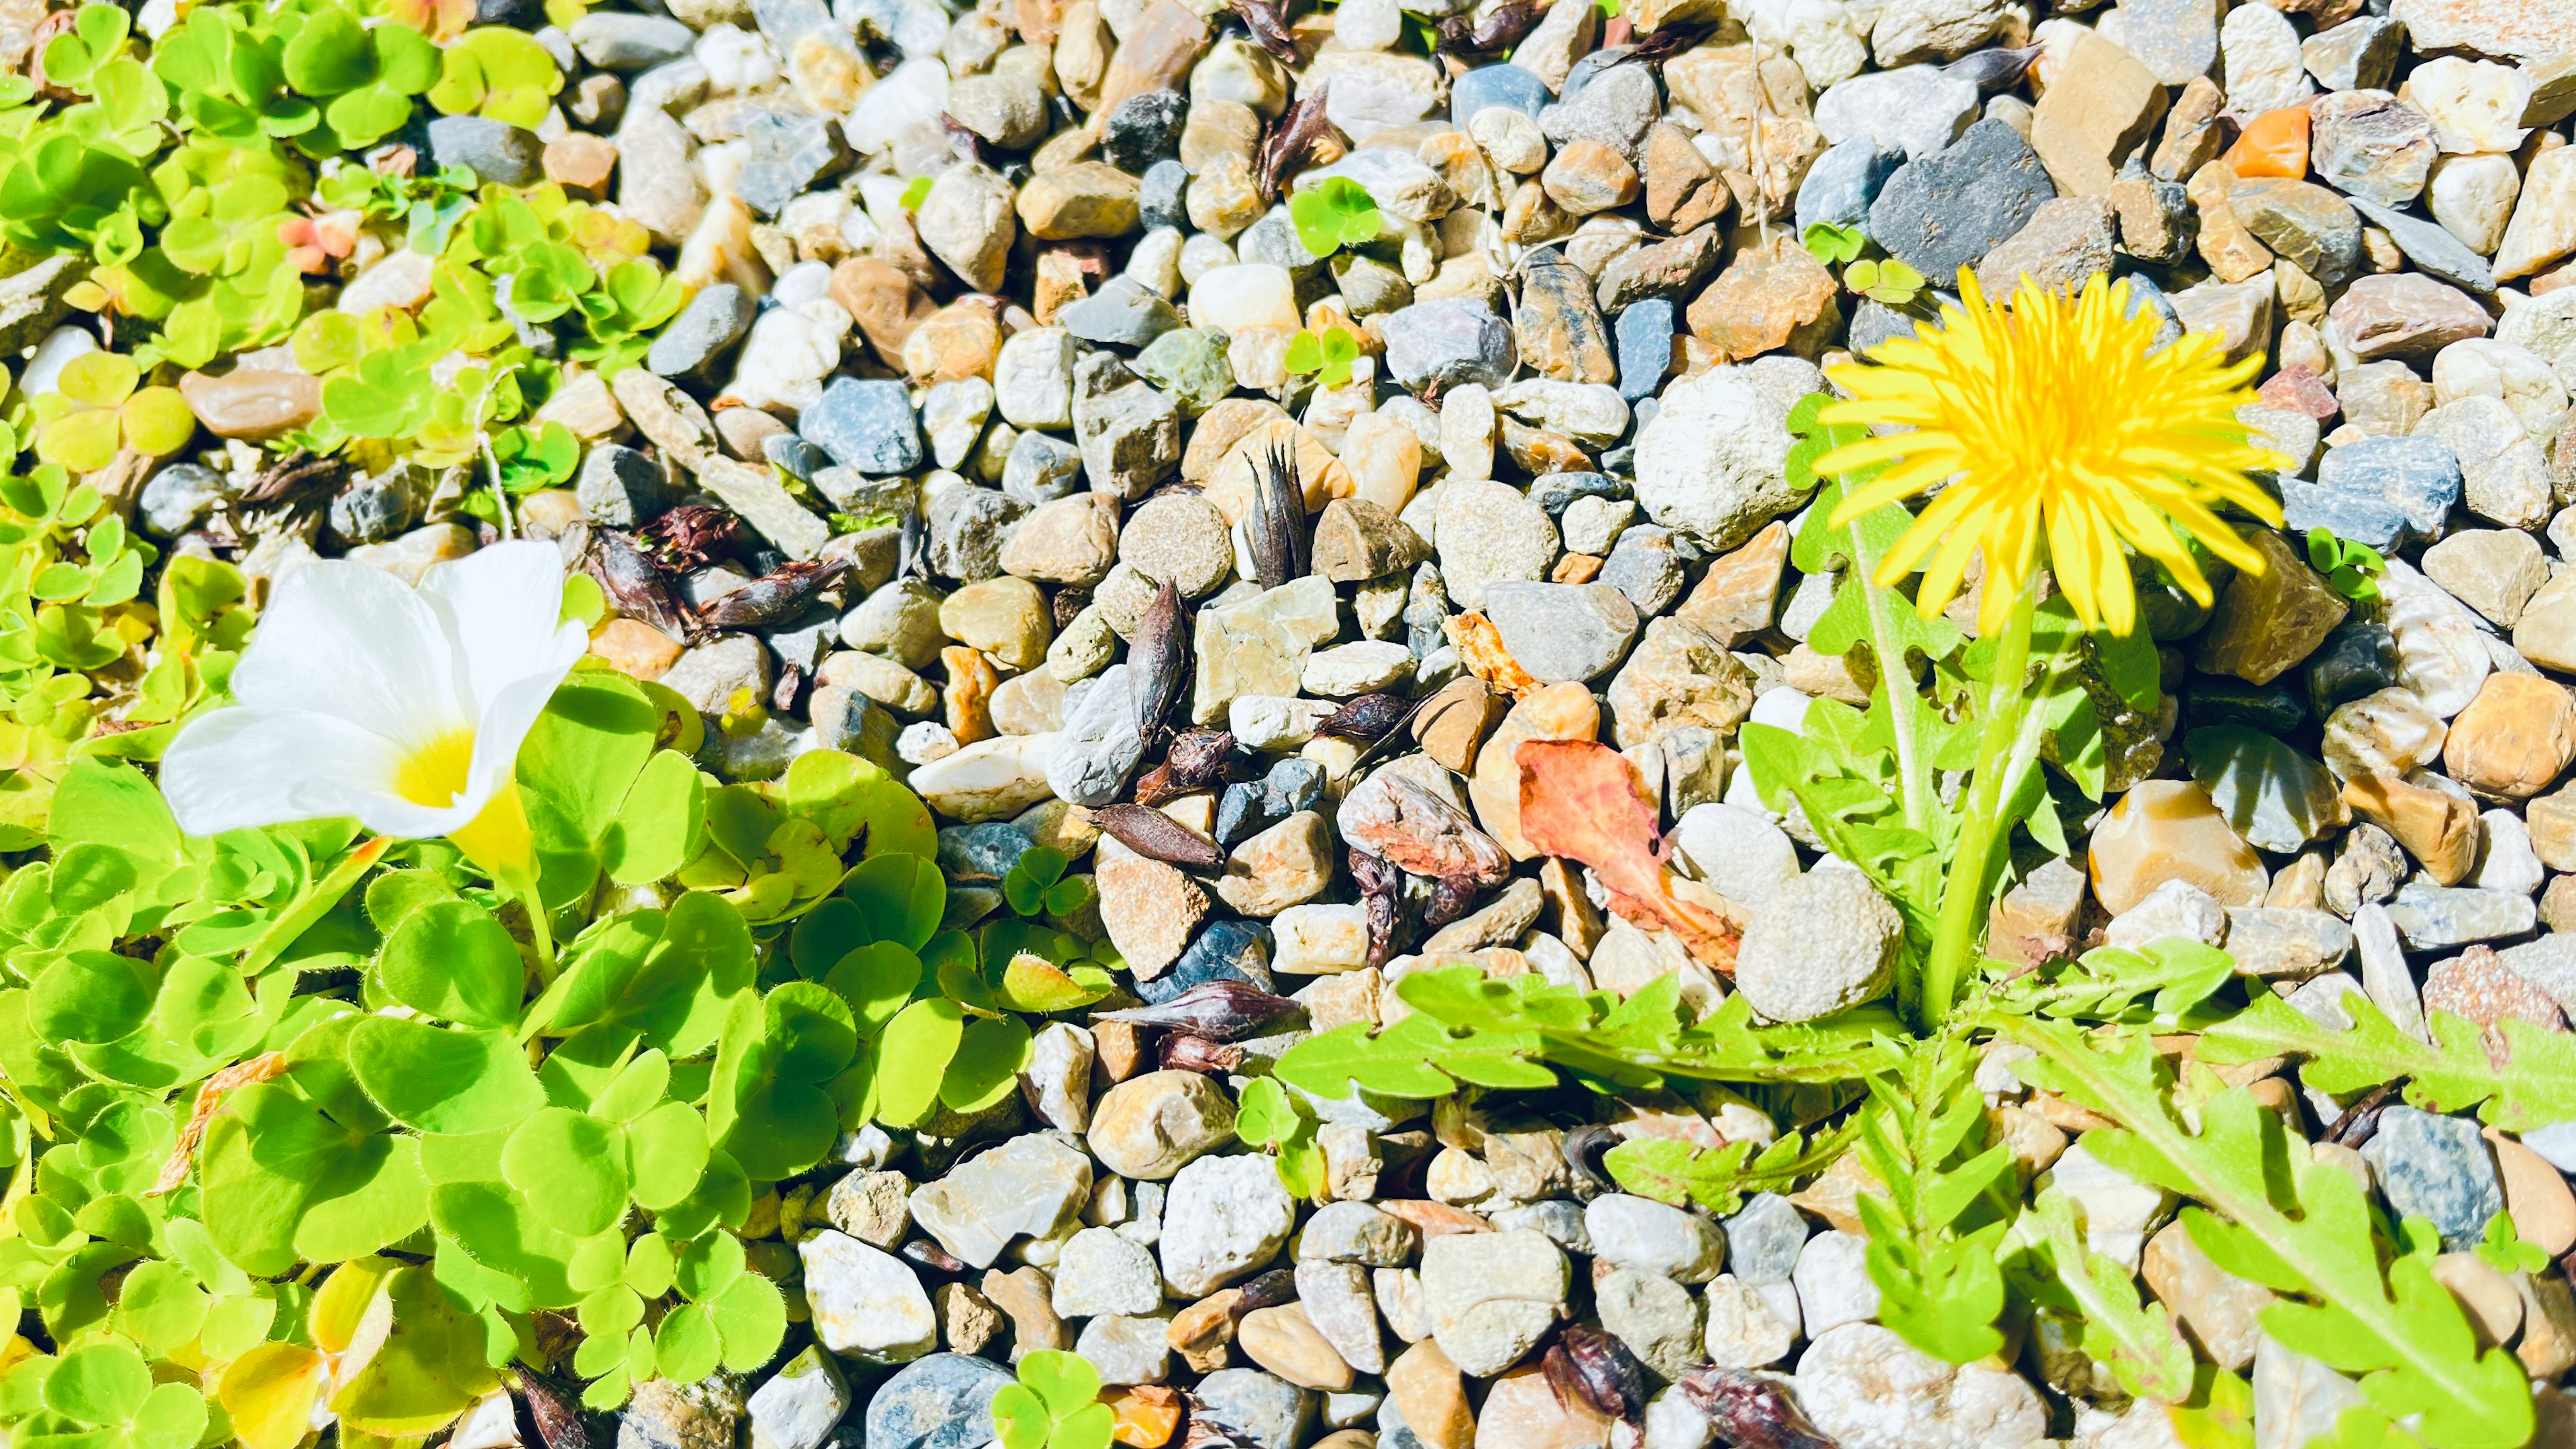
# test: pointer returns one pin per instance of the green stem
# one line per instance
(1896, 676)
(1963, 892)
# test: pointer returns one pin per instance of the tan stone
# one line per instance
(1586, 177)
(2216, 1307)
(1090, 199)
(2544, 220)
(1203, 1332)
(2232, 252)
(1160, 46)
(2437, 827)
(956, 342)
(1286, 865)
(2268, 621)
(1557, 712)
(2536, 1193)
(1682, 190)
(2548, 1346)
(884, 302)
(1028, 1299)
(1522, 1411)
(1432, 1396)
(2099, 106)
(1150, 908)
(2494, 1309)
(1283, 1340)
(579, 161)
(1384, 457)
(2169, 830)
(2515, 738)
(1452, 724)
(1739, 596)
(253, 406)
(2195, 131)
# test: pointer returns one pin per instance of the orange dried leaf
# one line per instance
(1480, 649)
(1583, 800)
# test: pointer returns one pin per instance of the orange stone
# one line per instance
(1147, 1415)
(2274, 144)
(634, 648)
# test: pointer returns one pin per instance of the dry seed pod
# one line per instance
(1590, 1367)
(1368, 717)
(1274, 532)
(774, 598)
(1182, 1052)
(1220, 1010)
(1158, 660)
(1749, 1411)
(1382, 890)
(631, 581)
(1157, 836)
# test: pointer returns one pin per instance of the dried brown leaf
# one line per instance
(1582, 799)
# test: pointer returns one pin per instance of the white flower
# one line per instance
(360, 696)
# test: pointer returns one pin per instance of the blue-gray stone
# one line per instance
(493, 150)
(620, 487)
(1162, 200)
(375, 509)
(1041, 469)
(621, 40)
(1644, 333)
(944, 1401)
(180, 496)
(1225, 951)
(1497, 85)
(1605, 101)
(1844, 181)
(1557, 490)
(2418, 475)
(1293, 785)
(866, 424)
(1143, 129)
(2359, 658)
(2373, 521)
(2216, 699)
(1273, 239)
(705, 330)
(1123, 313)
(1263, 1411)
(785, 153)
(1560, 1219)
(983, 852)
(2144, 293)
(1874, 322)
(1949, 209)
(965, 527)
(1762, 1241)
(1451, 341)
(2430, 246)
(2436, 1168)
(803, 643)
(1646, 564)
(801, 459)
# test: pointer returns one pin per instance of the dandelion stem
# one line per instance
(1971, 877)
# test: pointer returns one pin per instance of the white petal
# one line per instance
(350, 641)
(250, 766)
(507, 718)
(503, 607)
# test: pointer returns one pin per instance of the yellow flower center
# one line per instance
(434, 774)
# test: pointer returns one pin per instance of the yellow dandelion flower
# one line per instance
(2053, 422)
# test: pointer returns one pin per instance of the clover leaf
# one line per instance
(1055, 1405)
(1035, 884)
(100, 410)
(2507, 1251)
(1335, 213)
(1890, 282)
(1329, 355)
(97, 36)
(1834, 243)
(2351, 569)
(498, 73)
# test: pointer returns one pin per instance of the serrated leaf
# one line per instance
(2145, 1353)
(2308, 1226)
(2534, 1087)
